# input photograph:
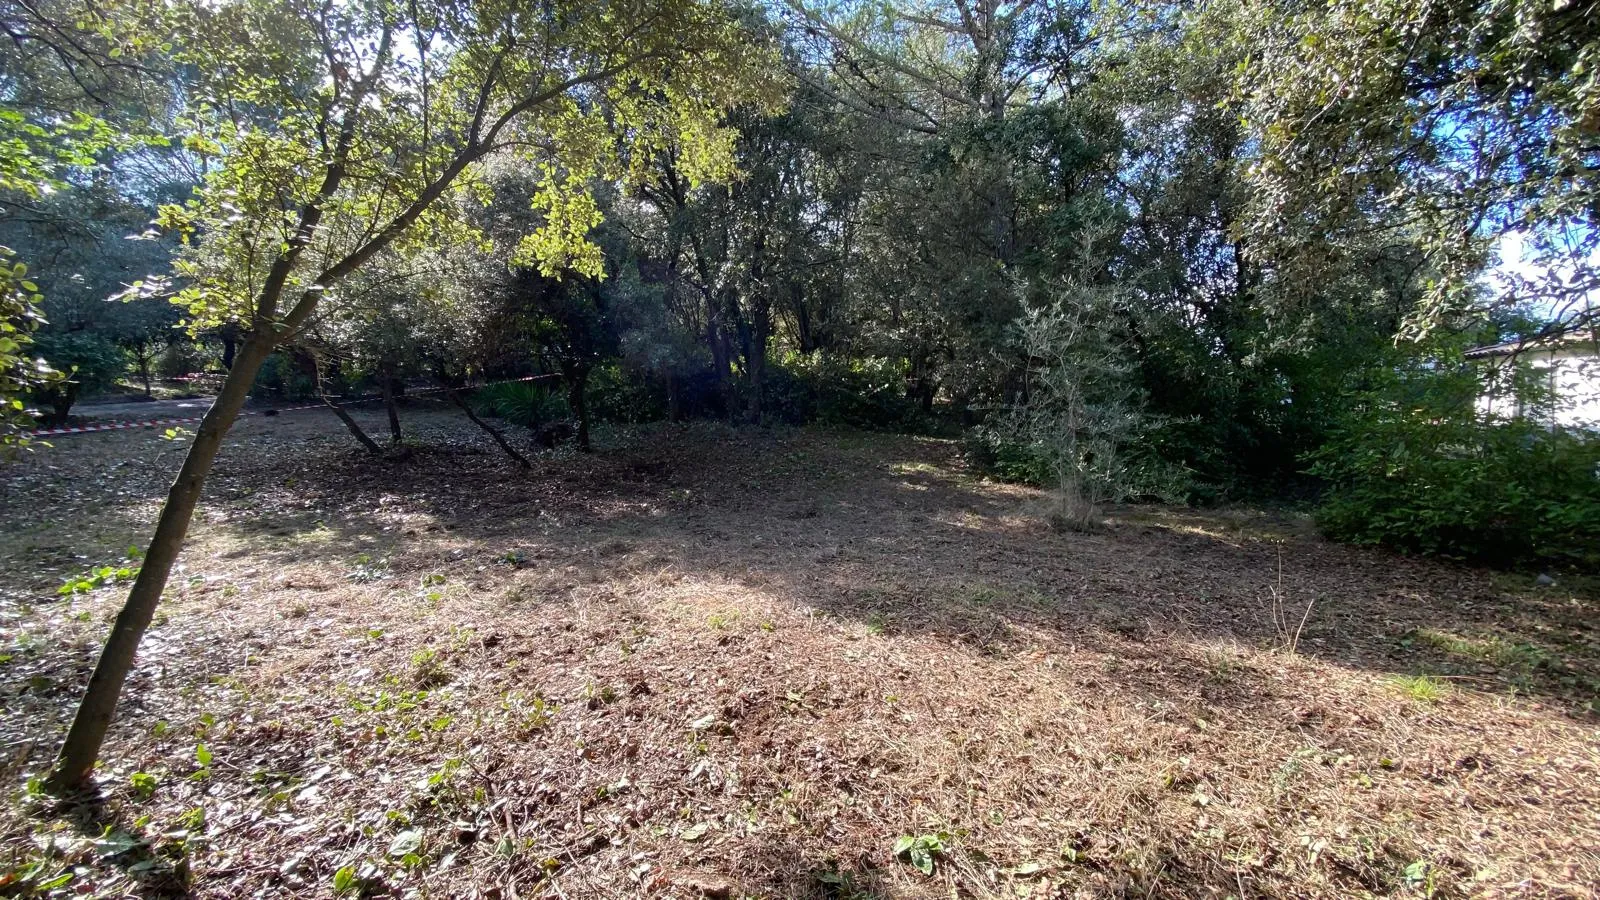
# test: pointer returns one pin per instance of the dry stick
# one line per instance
(498, 438)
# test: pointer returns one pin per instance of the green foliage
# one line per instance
(21, 371)
(104, 575)
(91, 361)
(144, 784)
(1078, 410)
(1413, 466)
(1474, 120)
(922, 850)
(521, 402)
(287, 375)
(618, 395)
(1421, 688)
(830, 389)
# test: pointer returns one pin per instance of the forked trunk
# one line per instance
(93, 718)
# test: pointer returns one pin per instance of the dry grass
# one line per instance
(709, 662)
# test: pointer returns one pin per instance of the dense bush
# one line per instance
(616, 395)
(287, 375)
(526, 403)
(93, 361)
(1413, 467)
(829, 390)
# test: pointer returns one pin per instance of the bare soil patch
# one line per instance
(717, 662)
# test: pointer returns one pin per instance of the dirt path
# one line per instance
(718, 662)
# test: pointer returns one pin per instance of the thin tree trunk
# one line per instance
(498, 438)
(576, 382)
(367, 442)
(394, 413)
(93, 718)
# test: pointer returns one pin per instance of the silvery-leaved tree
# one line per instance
(331, 132)
(1079, 410)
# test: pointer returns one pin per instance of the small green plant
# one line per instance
(144, 784)
(369, 569)
(720, 620)
(345, 881)
(529, 713)
(99, 577)
(202, 755)
(1420, 877)
(1421, 688)
(922, 850)
(596, 697)
(194, 819)
(427, 670)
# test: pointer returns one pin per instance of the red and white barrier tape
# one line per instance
(188, 420)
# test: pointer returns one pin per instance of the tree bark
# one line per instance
(349, 423)
(756, 361)
(577, 381)
(93, 718)
(395, 437)
(498, 437)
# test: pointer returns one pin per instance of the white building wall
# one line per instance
(1572, 376)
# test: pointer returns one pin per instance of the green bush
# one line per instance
(286, 375)
(94, 362)
(614, 395)
(829, 390)
(526, 403)
(178, 359)
(1413, 467)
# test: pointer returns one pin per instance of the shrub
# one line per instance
(521, 402)
(615, 395)
(178, 359)
(94, 363)
(1079, 415)
(1414, 467)
(830, 390)
(288, 375)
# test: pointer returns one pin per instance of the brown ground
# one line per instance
(716, 662)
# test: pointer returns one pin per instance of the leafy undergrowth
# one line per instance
(716, 662)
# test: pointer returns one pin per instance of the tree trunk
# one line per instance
(756, 361)
(498, 437)
(93, 718)
(144, 373)
(394, 413)
(349, 423)
(577, 380)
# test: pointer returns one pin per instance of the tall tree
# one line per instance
(335, 130)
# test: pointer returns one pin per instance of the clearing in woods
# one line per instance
(733, 662)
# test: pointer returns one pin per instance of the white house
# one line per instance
(1569, 365)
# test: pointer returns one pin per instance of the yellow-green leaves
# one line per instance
(562, 242)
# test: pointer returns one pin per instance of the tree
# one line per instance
(1463, 122)
(334, 131)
